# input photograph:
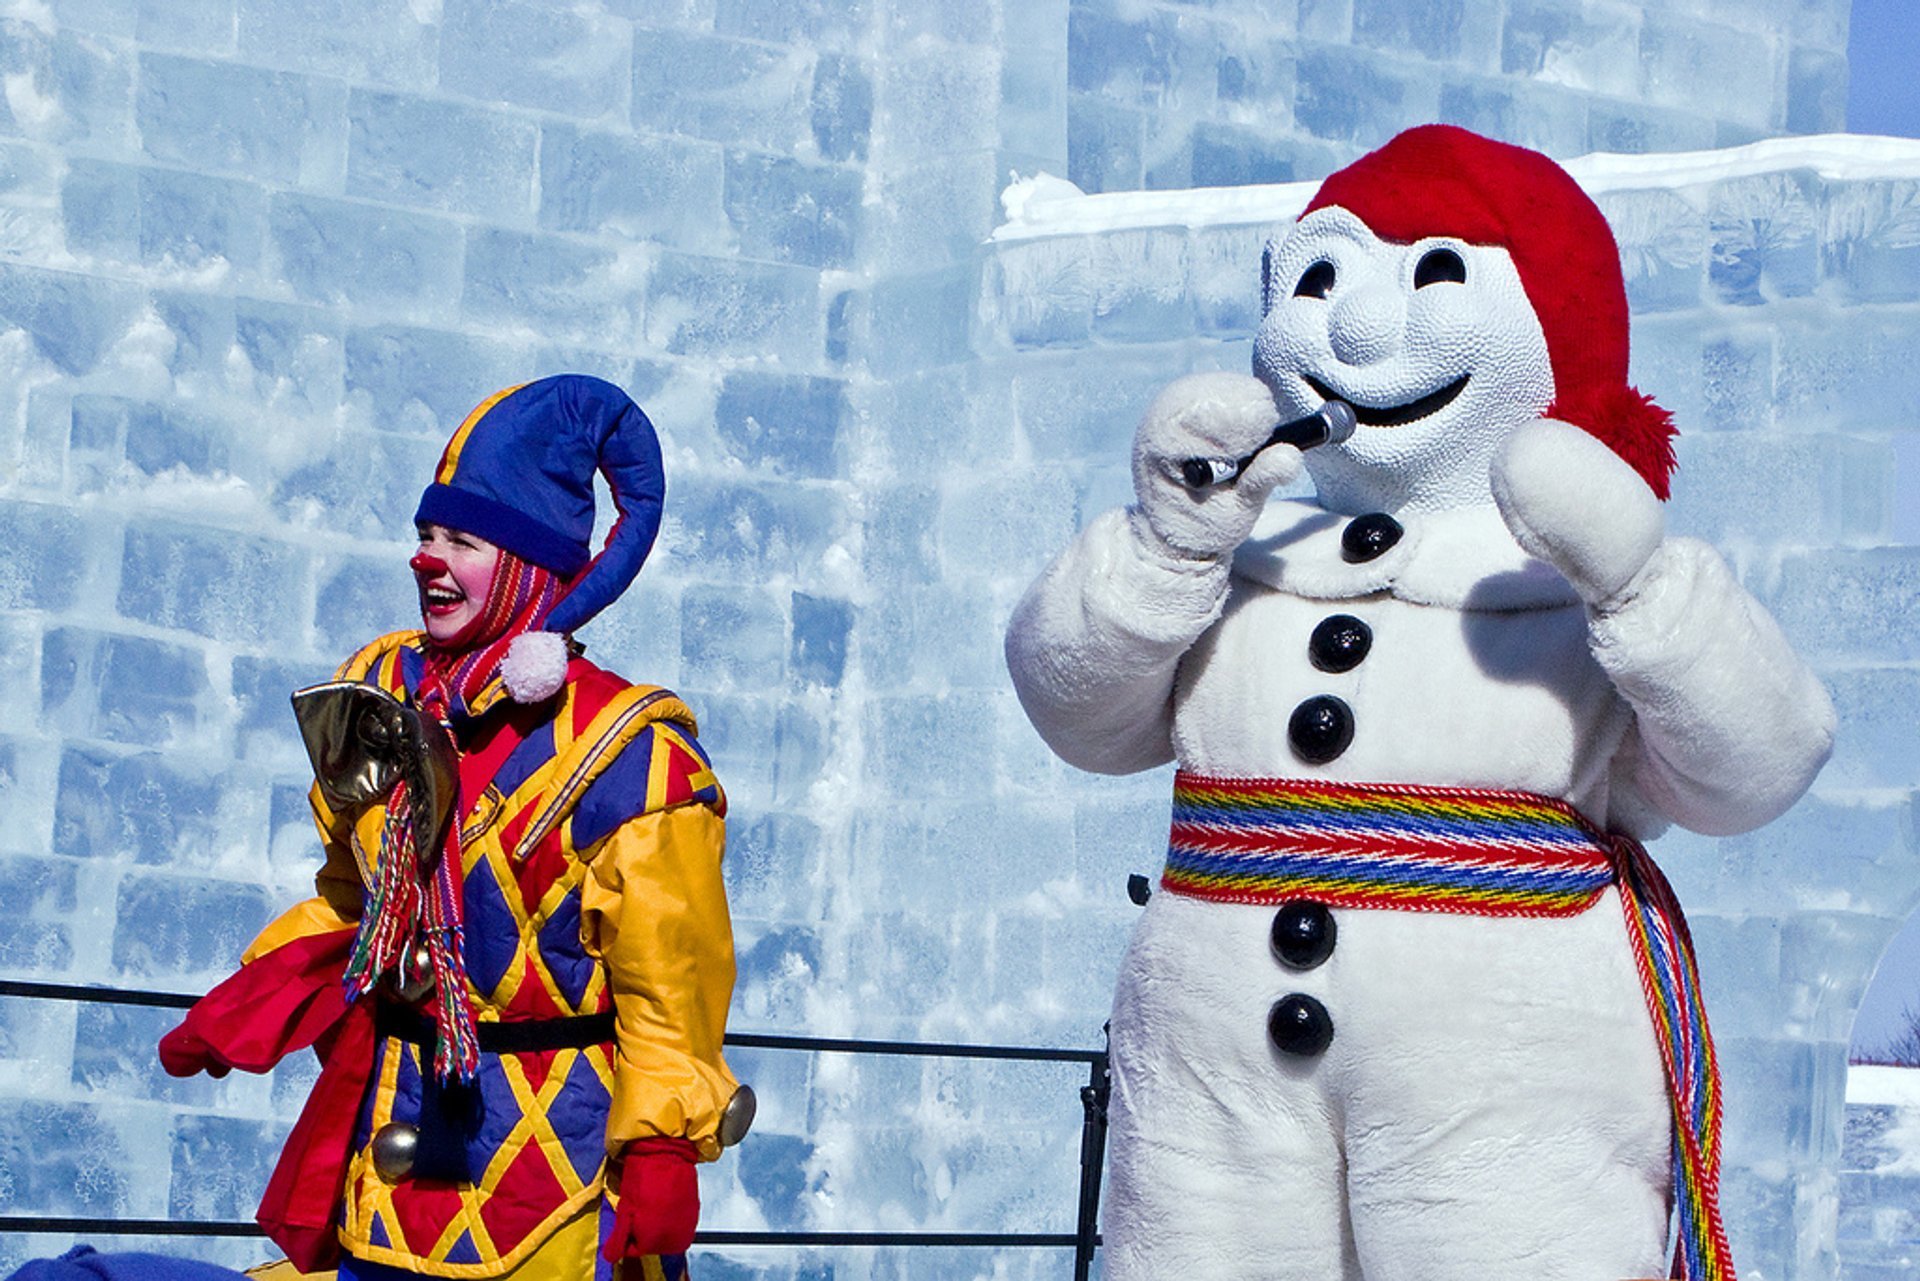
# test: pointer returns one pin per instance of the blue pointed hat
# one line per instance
(519, 473)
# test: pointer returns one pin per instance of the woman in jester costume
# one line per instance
(518, 964)
(1411, 1002)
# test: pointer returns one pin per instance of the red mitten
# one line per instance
(659, 1200)
(183, 1052)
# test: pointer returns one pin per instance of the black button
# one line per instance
(1303, 934)
(1300, 1025)
(1339, 643)
(1139, 889)
(1366, 537)
(1320, 729)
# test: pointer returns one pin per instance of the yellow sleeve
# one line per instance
(654, 909)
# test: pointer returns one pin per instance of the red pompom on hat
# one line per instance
(1439, 180)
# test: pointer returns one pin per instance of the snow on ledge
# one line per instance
(1045, 205)
(1869, 1083)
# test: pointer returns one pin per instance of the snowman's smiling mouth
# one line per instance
(1393, 415)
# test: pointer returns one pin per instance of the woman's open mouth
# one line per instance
(439, 601)
(1393, 415)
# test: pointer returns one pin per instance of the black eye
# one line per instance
(1437, 265)
(1316, 281)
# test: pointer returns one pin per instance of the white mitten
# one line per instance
(1575, 504)
(1207, 416)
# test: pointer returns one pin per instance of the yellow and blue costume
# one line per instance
(591, 876)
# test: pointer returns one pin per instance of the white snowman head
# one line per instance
(1450, 288)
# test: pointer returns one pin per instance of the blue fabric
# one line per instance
(524, 481)
(84, 1263)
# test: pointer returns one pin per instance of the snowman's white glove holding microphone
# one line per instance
(1206, 416)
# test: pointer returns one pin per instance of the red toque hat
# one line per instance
(1439, 180)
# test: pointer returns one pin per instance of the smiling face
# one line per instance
(1433, 343)
(454, 572)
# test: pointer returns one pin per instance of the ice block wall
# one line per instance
(1164, 94)
(257, 258)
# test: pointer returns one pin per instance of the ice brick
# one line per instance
(731, 529)
(1430, 30)
(180, 928)
(939, 101)
(72, 319)
(1577, 46)
(667, 189)
(1816, 90)
(553, 286)
(344, 252)
(1704, 67)
(1042, 293)
(1662, 239)
(145, 808)
(724, 90)
(214, 584)
(387, 41)
(1345, 96)
(833, 23)
(1106, 142)
(730, 636)
(202, 25)
(699, 306)
(817, 653)
(220, 1165)
(784, 425)
(840, 107)
(46, 556)
(921, 322)
(1140, 285)
(441, 155)
(1767, 489)
(787, 211)
(424, 381)
(364, 597)
(1763, 239)
(1870, 244)
(772, 862)
(266, 125)
(930, 745)
(65, 1159)
(115, 1056)
(575, 62)
(778, 971)
(123, 688)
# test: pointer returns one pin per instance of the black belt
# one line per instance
(574, 1032)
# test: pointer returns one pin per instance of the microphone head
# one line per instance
(1340, 420)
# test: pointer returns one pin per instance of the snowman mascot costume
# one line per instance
(1412, 1004)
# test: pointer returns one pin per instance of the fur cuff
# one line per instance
(535, 666)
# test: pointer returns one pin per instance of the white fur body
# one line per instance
(1492, 1104)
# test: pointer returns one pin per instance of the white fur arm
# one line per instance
(1094, 644)
(1731, 726)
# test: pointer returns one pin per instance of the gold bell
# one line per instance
(413, 980)
(737, 1117)
(394, 1145)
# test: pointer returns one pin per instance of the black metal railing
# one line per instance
(1093, 1138)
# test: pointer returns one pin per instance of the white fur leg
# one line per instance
(535, 666)
(1225, 1165)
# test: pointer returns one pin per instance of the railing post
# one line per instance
(1093, 1159)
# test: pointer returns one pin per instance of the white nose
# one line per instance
(1367, 325)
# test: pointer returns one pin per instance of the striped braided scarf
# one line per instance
(405, 905)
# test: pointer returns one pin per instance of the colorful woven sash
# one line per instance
(1476, 852)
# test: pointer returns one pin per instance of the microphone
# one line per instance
(1332, 423)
